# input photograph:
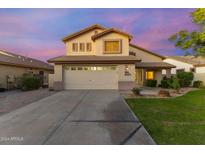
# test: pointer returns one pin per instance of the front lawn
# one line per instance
(178, 120)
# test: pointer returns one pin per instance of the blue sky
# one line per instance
(38, 32)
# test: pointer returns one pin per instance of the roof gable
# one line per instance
(111, 30)
(85, 30)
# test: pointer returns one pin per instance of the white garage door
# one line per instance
(90, 78)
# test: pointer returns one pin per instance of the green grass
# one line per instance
(178, 120)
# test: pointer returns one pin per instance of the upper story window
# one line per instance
(75, 46)
(82, 46)
(112, 46)
(89, 46)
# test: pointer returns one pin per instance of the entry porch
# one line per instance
(151, 71)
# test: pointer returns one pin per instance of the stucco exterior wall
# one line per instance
(179, 65)
(14, 71)
(58, 69)
(158, 76)
(144, 56)
(8, 70)
(200, 69)
(58, 77)
(98, 44)
(121, 73)
(51, 81)
(84, 38)
(199, 76)
(112, 36)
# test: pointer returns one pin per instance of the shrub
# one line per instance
(198, 84)
(2, 89)
(185, 78)
(165, 82)
(136, 91)
(30, 83)
(175, 83)
(151, 83)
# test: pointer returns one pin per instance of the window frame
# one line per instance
(83, 45)
(112, 40)
(153, 75)
(90, 68)
(180, 70)
(73, 44)
(87, 45)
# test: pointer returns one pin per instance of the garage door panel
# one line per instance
(90, 79)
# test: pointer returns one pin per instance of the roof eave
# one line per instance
(156, 67)
(94, 62)
(111, 30)
(26, 66)
(199, 65)
(65, 39)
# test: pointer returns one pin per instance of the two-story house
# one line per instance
(103, 58)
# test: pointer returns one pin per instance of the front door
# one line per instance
(139, 77)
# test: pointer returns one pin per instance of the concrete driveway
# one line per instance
(74, 117)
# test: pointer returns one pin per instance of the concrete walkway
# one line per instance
(74, 117)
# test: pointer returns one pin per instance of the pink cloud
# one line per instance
(46, 54)
(156, 36)
(122, 21)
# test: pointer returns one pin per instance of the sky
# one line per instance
(37, 33)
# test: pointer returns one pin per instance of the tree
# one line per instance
(194, 41)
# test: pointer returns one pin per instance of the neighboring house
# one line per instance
(103, 58)
(188, 64)
(13, 66)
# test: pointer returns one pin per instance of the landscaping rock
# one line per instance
(164, 93)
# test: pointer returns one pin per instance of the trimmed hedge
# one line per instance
(185, 78)
(151, 83)
(198, 84)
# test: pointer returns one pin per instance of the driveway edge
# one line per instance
(134, 137)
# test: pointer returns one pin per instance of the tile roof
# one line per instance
(143, 49)
(94, 59)
(110, 30)
(82, 32)
(197, 61)
(154, 65)
(8, 58)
